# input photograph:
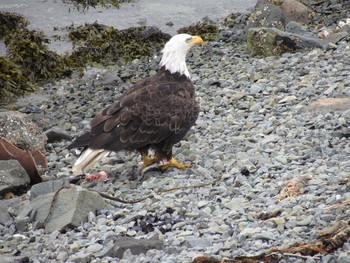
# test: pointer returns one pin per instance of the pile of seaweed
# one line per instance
(85, 4)
(207, 29)
(106, 45)
(29, 62)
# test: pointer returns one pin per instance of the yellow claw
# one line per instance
(173, 163)
(147, 161)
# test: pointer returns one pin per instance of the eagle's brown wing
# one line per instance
(152, 113)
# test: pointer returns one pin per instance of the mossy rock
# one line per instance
(96, 43)
(263, 41)
(268, 41)
(206, 29)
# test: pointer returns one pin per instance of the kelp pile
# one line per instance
(105, 45)
(206, 29)
(28, 50)
(13, 82)
(29, 61)
(10, 22)
(82, 5)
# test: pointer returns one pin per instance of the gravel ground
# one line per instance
(256, 132)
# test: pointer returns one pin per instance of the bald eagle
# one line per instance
(155, 113)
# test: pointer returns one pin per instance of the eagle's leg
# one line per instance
(164, 153)
(147, 161)
(173, 163)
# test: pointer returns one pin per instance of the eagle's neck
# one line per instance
(175, 62)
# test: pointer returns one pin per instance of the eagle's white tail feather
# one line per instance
(87, 159)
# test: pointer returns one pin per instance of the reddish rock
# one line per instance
(295, 11)
(28, 159)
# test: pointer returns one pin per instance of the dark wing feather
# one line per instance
(162, 107)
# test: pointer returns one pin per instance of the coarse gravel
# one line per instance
(255, 133)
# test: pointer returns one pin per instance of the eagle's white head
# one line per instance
(175, 50)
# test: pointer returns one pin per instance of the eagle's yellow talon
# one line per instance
(147, 161)
(173, 163)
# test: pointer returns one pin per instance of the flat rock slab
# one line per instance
(67, 207)
(12, 176)
(47, 188)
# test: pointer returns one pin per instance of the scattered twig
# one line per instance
(52, 205)
(341, 205)
(153, 195)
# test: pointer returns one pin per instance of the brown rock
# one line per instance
(295, 11)
(28, 159)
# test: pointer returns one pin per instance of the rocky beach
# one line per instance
(270, 175)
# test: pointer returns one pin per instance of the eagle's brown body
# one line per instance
(155, 113)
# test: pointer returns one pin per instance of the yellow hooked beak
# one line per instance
(196, 40)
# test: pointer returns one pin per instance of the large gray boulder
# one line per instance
(18, 129)
(272, 42)
(47, 188)
(67, 207)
